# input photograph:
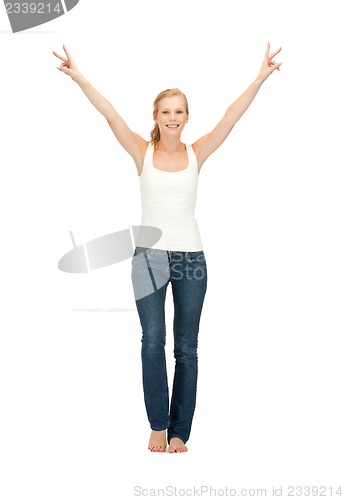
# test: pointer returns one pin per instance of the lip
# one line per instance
(172, 125)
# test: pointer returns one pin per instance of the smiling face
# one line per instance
(171, 115)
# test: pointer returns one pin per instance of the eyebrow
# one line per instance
(168, 109)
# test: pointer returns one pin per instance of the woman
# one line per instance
(168, 171)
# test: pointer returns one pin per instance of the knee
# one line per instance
(186, 354)
(153, 338)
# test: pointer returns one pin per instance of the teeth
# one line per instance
(172, 126)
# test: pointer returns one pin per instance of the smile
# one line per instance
(172, 126)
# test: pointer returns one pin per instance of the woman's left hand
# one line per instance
(269, 65)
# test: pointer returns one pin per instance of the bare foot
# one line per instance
(157, 441)
(176, 446)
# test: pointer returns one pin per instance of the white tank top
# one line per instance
(168, 202)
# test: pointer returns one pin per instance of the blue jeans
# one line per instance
(152, 271)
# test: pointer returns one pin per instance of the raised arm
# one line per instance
(134, 144)
(207, 144)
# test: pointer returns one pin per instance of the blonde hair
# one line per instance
(155, 132)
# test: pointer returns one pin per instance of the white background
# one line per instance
(270, 210)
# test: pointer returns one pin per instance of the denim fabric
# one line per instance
(152, 271)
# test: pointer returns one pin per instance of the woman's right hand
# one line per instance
(68, 66)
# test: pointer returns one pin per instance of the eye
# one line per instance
(164, 112)
(180, 112)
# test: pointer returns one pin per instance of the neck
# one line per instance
(170, 145)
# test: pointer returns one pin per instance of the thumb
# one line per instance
(277, 66)
(64, 69)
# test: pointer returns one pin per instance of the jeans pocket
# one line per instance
(197, 259)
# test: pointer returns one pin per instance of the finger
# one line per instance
(58, 55)
(64, 69)
(273, 63)
(64, 64)
(275, 66)
(267, 50)
(276, 52)
(67, 52)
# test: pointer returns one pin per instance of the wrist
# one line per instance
(259, 80)
(80, 79)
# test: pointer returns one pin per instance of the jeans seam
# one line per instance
(154, 414)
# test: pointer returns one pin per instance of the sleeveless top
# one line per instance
(168, 202)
